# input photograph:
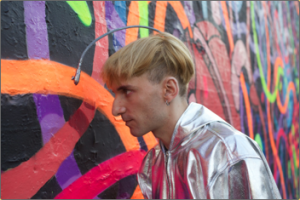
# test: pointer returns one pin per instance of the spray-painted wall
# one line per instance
(59, 140)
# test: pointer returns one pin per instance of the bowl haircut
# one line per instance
(158, 55)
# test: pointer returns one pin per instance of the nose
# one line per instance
(118, 108)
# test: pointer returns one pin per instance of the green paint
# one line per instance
(271, 96)
(280, 86)
(297, 85)
(143, 10)
(293, 130)
(289, 170)
(257, 138)
(296, 170)
(286, 83)
(295, 160)
(83, 11)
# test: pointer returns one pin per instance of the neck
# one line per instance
(174, 112)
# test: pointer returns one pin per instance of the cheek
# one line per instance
(147, 109)
(155, 112)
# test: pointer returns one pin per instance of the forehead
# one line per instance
(134, 82)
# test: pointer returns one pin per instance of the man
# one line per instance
(199, 155)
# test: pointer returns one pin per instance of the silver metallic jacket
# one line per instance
(207, 158)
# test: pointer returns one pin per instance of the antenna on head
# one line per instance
(78, 71)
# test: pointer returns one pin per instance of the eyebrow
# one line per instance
(124, 87)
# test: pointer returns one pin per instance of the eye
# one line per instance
(127, 92)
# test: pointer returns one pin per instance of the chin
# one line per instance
(136, 133)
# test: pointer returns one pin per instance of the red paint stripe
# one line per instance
(101, 53)
(282, 134)
(23, 181)
(103, 176)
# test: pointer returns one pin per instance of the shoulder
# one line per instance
(226, 140)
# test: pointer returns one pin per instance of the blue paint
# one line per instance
(204, 9)
(275, 122)
(116, 43)
(235, 5)
(113, 21)
(280, 18)
(290, 111)
(120, 7)
(286, 80)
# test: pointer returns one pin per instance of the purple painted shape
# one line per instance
(54, 107)
(37, 45)
(176, 33)
(188, 8)
(280, 121)
(238, 28)
(114, 21)
(49, 113)
(36, 29)
(256, 74)
(68, 172)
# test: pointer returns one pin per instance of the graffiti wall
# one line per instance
(59, 140)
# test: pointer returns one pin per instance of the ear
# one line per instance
(170, 88)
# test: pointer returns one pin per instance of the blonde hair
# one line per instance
(158, 55)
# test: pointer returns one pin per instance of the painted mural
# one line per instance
(59, 140)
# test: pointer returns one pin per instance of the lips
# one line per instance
(127, 119)
(127, 122)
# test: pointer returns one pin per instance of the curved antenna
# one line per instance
(77, 75)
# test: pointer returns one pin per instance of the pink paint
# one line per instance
(103, 176)
(215, 9)
(207, 29)
(205, 86)
(101, 53)
(238, 61)
(262, 97)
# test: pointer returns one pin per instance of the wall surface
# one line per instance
(59, 140)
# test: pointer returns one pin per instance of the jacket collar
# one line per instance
(193, 118)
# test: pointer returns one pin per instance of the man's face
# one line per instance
(140, 103)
